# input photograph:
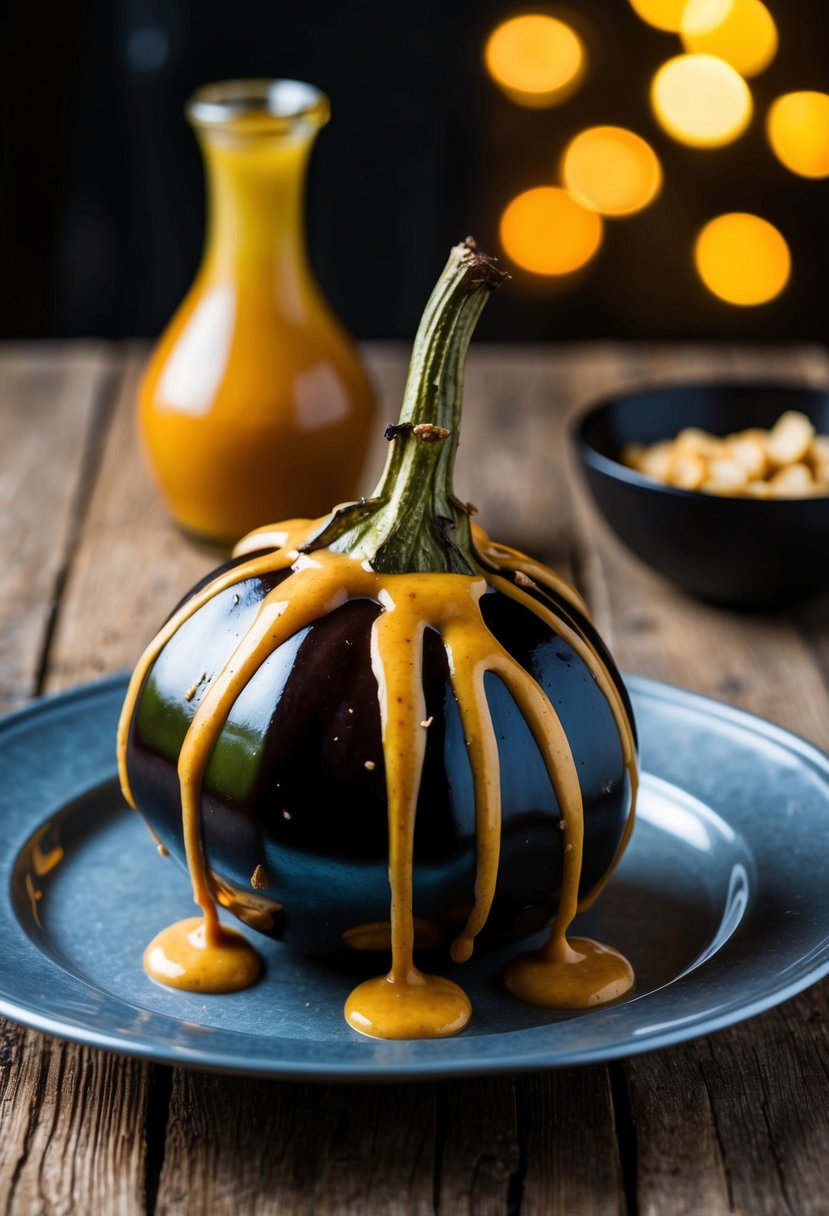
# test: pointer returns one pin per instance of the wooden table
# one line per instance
(735, 1123)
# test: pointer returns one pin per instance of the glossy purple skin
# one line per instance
(288, 788)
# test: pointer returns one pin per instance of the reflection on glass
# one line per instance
(197, 364)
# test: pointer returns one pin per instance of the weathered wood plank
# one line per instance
(680, 1161)
(71, 1129)
(48, 405)
(129, 567)
(241, 1147)
(69, 1141)
(132, 564)
(570, 1145)
(738, 1123)
(480, 1170)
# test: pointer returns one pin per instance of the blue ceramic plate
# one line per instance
(721, 903)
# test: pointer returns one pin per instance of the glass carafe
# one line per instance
(254, 406)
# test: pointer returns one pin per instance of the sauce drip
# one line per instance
(569, 973)
(184, 956)
(201, 954)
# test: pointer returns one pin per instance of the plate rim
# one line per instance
(25, 1012)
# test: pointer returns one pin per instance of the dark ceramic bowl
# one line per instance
(737, 551)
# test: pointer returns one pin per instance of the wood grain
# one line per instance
(737, 1123)
(236, 1147)
(727, 1125)
(72, 1130)
(480, 1171)
(570, 1144)
(71, 1135)
(128, 565)
(48, 408)
(131, 564)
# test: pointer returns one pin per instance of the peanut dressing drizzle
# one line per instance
(547, 579)
(512, 559)
(200, 954)
(611, 693)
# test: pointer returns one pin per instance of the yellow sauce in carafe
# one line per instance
(254, 402)
(405, 1003)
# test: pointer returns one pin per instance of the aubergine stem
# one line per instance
(413, 523)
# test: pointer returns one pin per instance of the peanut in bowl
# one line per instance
(717, 536)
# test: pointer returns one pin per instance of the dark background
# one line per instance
(101, 209)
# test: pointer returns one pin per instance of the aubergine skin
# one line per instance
(294, 798)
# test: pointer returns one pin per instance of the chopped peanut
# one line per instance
(788, 461)
(795, 481)
(727, 472)
(656, 460)
(687, 471)
(749, 450)
(758, 489)
(789, 439)
(701, 443)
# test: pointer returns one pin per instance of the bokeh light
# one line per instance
(612, 170)
(546, 231)
(740, 31)
(664, 14)
(798, 131)
(701, 100)
(535, 59)
(742, 258)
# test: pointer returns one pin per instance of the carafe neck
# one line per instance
(256, 139)
(255, 204)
